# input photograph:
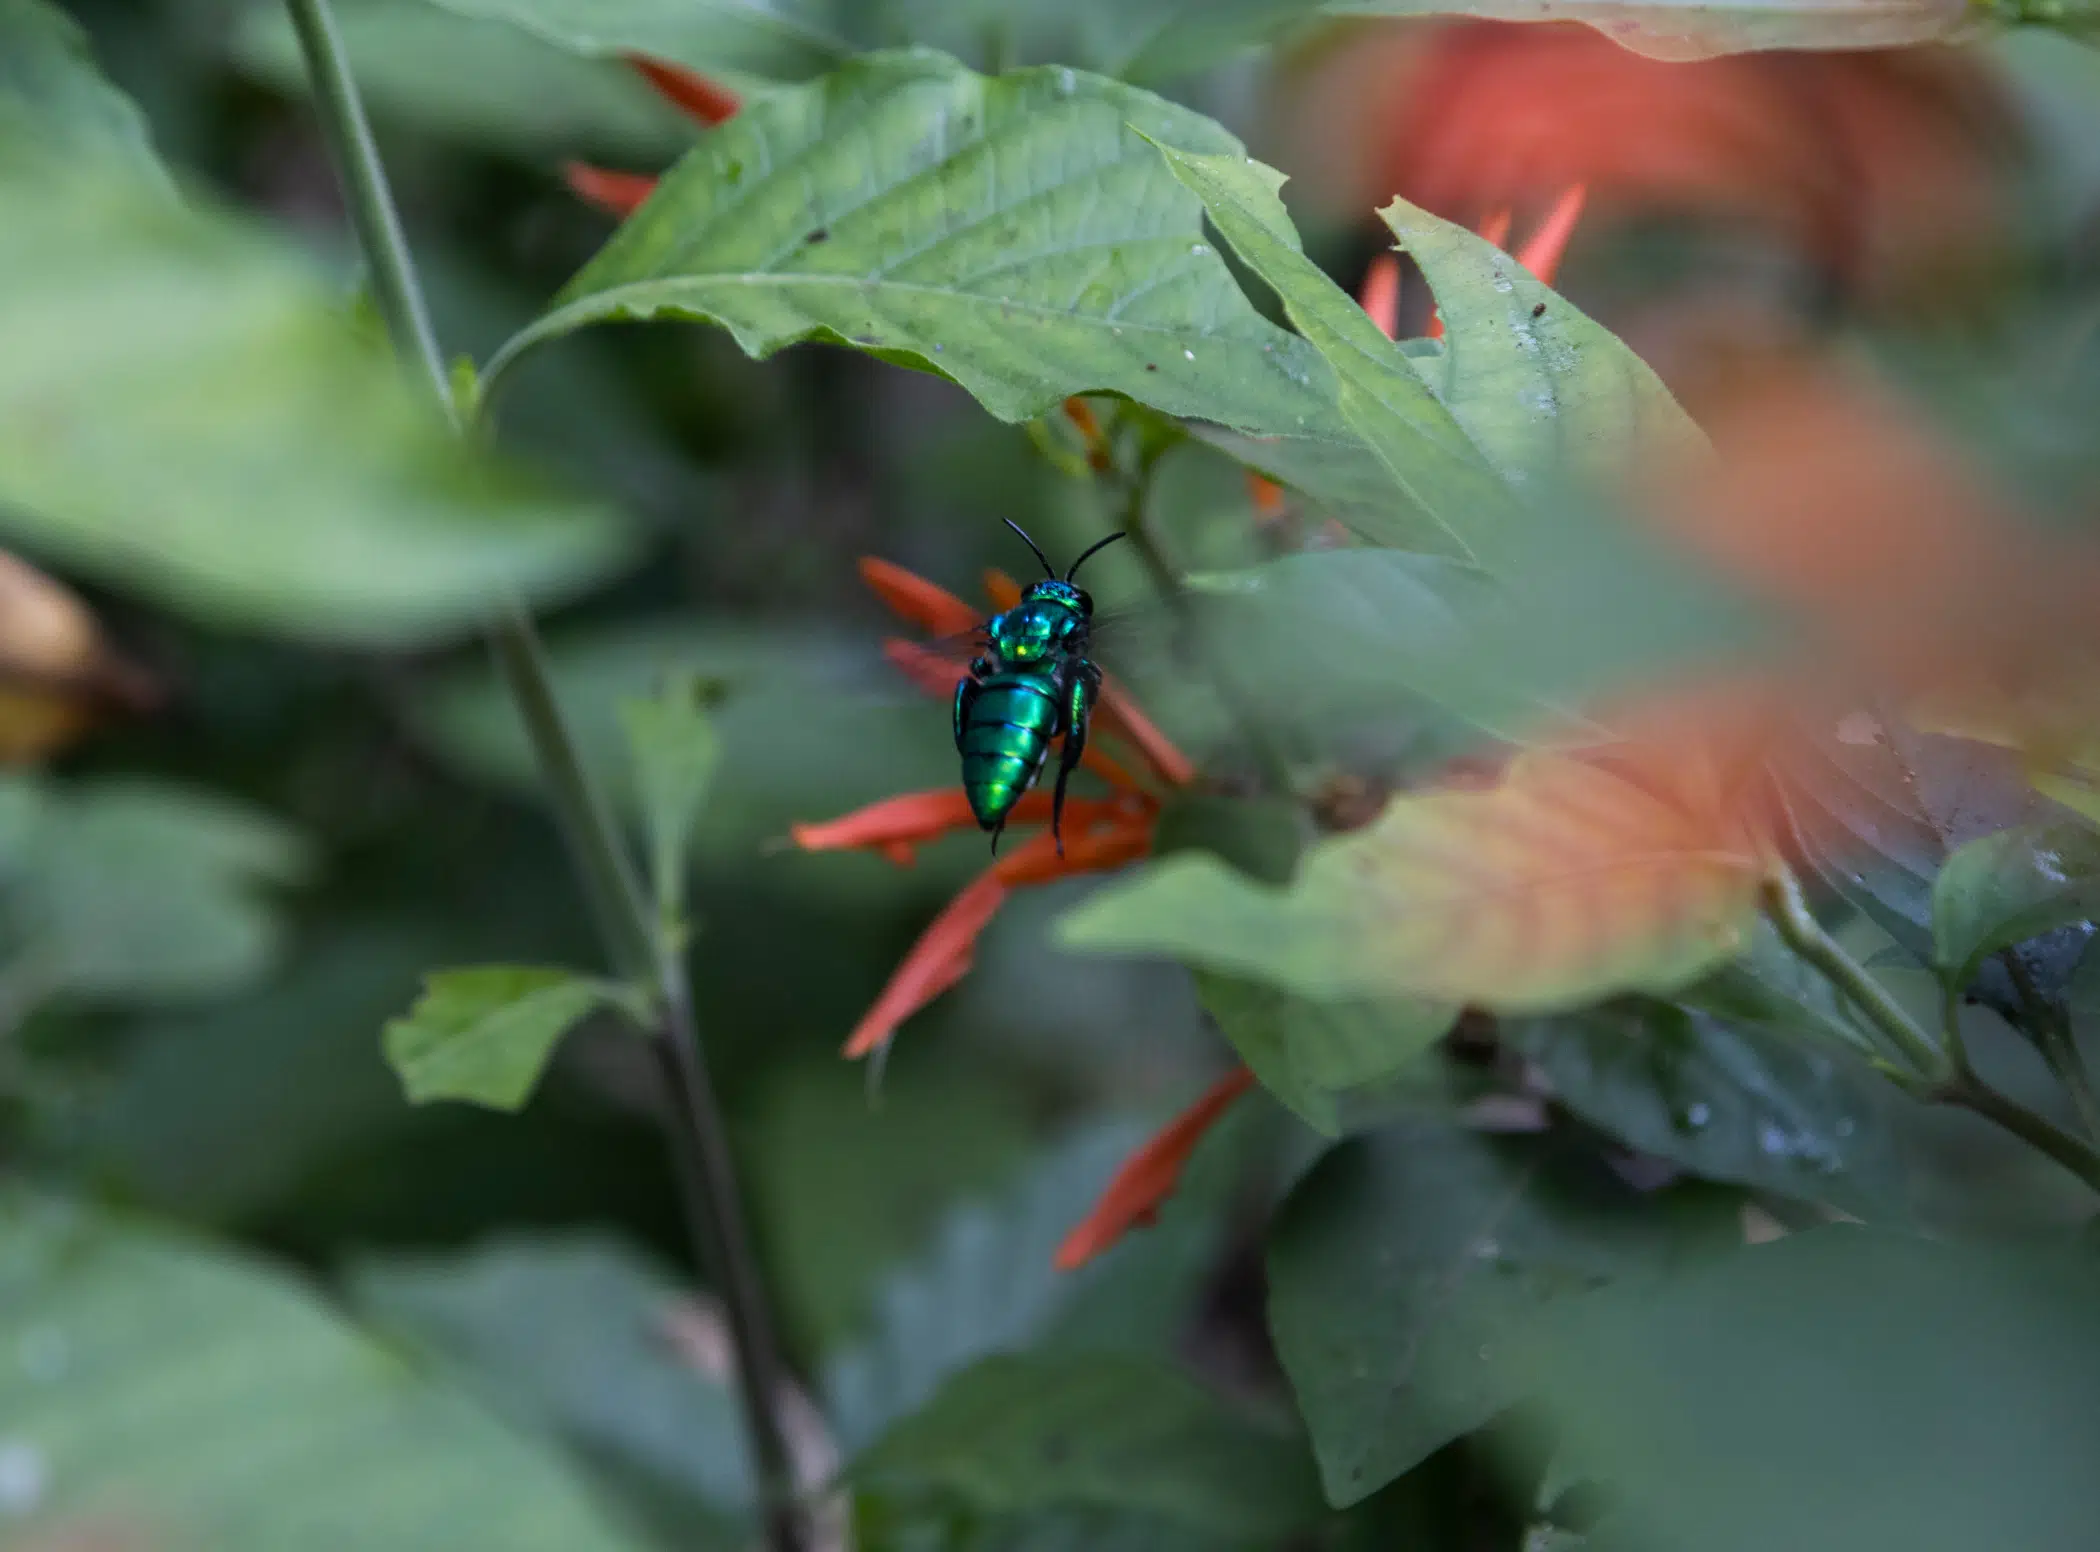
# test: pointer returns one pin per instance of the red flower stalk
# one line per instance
(706, 102)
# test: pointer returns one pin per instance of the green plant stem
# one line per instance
(1787, 908)
(1943, 1073)
(696, 1129)
(372, 213)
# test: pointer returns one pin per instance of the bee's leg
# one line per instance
(1079, 706)
(965, 692)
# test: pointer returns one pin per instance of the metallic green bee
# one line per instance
(1032, 682)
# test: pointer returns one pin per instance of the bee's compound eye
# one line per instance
(1086, 604)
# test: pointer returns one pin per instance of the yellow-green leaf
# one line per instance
(485, 1035)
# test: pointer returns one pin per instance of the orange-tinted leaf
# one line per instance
(617, 193)
(1563, 883)
(1148, 1176)
(911, 597)
(690, 92)
(936, 962)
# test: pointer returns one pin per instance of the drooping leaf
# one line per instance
(485, 1035)
(767, 39)
(986, 1284)
(1016, 233)
(1837, 1389)
(204, 1399)
(129, 892)
(1727, 1101)
(480, 83)
(1404, 1265)
(2002, 889)
(574, 1335)
(1877, 808)
(1311, 1054)
(1563, 883)
(1016, 1434)
(183, 413)
(672, 743)
(1701, 29)
(52, 94)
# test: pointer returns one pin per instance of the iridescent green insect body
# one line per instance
(1032, 685)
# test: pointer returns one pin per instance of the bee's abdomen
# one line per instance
(1005, 739)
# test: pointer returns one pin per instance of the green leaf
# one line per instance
(672, 742)
(1877, 808)
(1014, 1435)
(1017, 234)
(572, 1335)
(1701, 29)
(52, 94)
(1311, 1054)
(1404, 1264)
(1838, 1389)
(764, 39)
(480, 83)
(183, 413)
(1563, 883)
(986, 1283)
(485, 1035)
(1434, 466)
(1727, 1101)
(160, 1391)
(122, 891)
(2003, 889)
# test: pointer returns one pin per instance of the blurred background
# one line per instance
(1934, 211)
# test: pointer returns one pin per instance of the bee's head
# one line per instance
(1062, 594)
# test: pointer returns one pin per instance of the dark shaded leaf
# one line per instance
(1727, 1101)
(1404, 1265)
(573, 1336)
(1838, 1391)
(1013, 1435)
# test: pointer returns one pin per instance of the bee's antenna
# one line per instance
(1090, 549)
(1049, 570)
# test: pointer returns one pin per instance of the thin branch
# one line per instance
(1787, 909)
(694, 1123)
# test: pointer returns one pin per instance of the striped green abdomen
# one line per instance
(1005, 739)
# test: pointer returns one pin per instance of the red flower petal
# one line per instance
(1125, 838)
(911, 597)
(906, 821)
(936, 962)
(1148, 1176)
(1543, 253)
(1264, 492)
(1002, 590)
(1381, 294)
(618, 193)
(934, 672)
(1495, 229)
(689, 92)
(1121, 715)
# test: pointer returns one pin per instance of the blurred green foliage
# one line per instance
(1445, 1281)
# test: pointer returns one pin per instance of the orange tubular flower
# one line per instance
(705, 102)
(1100, 833)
